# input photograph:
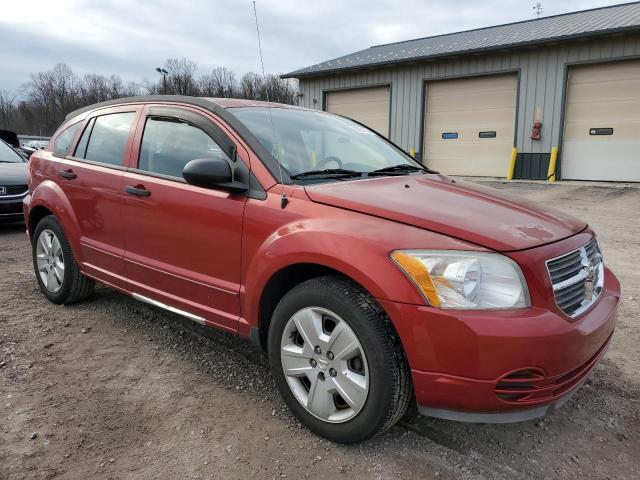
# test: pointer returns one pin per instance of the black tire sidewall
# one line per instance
(375, 411)
(51, 223)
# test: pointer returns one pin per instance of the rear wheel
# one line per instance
(337, 360)
(55, 267)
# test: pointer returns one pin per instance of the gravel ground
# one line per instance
(111, 388)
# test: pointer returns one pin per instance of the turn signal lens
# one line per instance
(418, 272)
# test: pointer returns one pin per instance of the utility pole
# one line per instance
(537, 9)
(164, 74)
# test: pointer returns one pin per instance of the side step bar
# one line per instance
(169, 308)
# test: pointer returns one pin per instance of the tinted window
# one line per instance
(108, 137)
(65, 139)
(169, 144)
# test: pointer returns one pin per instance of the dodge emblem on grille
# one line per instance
(590, 281)
(3, 190)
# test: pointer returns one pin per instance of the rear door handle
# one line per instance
(138, 190)
(68, 173)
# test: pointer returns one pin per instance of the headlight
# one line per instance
(465, 280)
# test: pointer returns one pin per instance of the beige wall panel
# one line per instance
(604, 95)
(366, 105)
(468, 106)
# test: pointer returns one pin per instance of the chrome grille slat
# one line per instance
(11, 190)
(577, 278)
(565, 273)
(569, 259)
(569, 291)
(568, 263)
(572, 299)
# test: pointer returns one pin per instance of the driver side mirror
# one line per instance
(215, 173)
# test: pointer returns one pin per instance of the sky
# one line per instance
(131, 38)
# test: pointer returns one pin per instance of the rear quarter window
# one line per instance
(62, 144)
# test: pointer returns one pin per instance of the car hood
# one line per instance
(13, 173)
(470, 212)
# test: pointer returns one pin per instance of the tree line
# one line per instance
(49, 96)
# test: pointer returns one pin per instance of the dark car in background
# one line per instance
(11, 138)
(13, 183)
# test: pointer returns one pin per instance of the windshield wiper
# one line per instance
(327, 173)
(401, 169)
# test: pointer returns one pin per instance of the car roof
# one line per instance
(215, 105)
(218, 106)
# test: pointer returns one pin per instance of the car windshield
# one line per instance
(306, 141)
(8, 154)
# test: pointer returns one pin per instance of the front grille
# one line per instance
(11, 208)
(12, 190)
(577, 278)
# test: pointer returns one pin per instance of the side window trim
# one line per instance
(174, 119)
(88, 129)
(217, 135)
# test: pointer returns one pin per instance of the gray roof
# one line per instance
(586, 23)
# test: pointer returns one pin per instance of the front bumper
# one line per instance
(501, 365)
(11, 208)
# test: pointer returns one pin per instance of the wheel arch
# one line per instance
(49, 199)
(36, 214)
(279, 284)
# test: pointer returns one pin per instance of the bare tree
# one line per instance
(49, 96)
(250, 86)
(7, 109)
(220, 82)
(269, 87)
(181, 78)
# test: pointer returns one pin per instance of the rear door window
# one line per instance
(105, 138)
(168, 144)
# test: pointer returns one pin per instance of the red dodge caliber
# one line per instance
(374, 284)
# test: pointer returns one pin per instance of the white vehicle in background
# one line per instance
(37, 144)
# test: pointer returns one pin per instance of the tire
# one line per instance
(57, 273)
(375, 364)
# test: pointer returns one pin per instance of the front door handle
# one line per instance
(138, 190)
(68, 173)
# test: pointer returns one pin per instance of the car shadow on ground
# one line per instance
(603, 412)
(11, 227)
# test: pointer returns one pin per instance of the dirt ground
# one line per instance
(111, 388)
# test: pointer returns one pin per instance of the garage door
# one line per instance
(602, 126)
(365, 105)
(470, 125)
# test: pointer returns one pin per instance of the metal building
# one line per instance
(463, 101)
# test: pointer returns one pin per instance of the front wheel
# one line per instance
(337, 360)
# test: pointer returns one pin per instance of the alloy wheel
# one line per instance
(50, 260)
(324, 364)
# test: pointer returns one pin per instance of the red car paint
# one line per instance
(213, 253)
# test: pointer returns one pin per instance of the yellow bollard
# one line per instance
(412, 152)
(512, 163)
(551, 173)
